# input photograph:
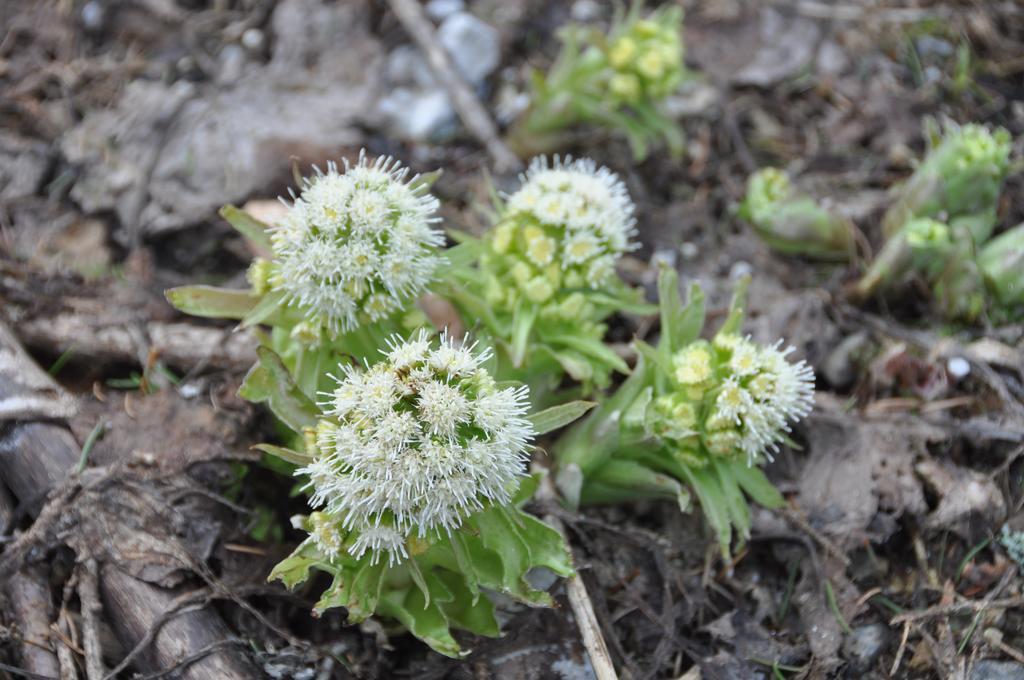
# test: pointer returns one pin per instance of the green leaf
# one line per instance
(269, 381)
(366, 589)
(636, 414)
(713, 503)
(294, 569)
(527, 487)
(559, 416)
(465, 564)
(463, 255)
(591, 347)
(426, 179)
(635, 480)
(522, 327)
(212, 302)
(501, 536)
(734, 321)
(417, 577)
(248, 226)
(264, 310)
(680, 324)
(467, 610)
(736, 503)
(756, 485)
(547, 546)
(289, 455)
(427, 622)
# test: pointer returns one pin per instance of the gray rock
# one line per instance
(787, 46)
(929, 45)
(232, 62)
(840, 366)
(439, 10)
(418, 115)
(990, 669)
(474, 46)
(165, 158)
(865, 645)
(24, 163)
(407, 66)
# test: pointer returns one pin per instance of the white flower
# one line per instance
(583, 210)
(415, 443)
(361, 240)
(781, 393)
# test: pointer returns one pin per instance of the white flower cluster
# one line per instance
(356, 245)
(415, 443)
(748, 394)
(571, 214)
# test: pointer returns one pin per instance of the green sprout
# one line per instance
(415, 467)
(962, 174)
(344, 266)
(542, 281)
(939, 229)
(618, 81)
(793, 223)
(1001, 262)
(694, 415)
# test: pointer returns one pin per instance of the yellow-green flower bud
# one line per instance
(961, 175)
(791, 222)
(1002, 264)
(259, 274)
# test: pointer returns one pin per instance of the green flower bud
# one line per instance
(1001, 261)
(792, 223)
(963, 174)
(258, 275)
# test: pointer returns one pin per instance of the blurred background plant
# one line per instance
(939, 227)
(794, 223)
(617, 81)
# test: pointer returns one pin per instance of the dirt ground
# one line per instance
(126, 124)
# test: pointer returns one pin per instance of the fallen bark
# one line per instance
(36, 457)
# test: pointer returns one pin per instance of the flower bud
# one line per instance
(793, 223)
(1001, 261)
(961, 175)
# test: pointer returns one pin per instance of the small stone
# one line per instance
(407, 66)
(863, 647)
(253, 39)
(990, 669)
(439, 10)
(740, 269)
(419, 116)
(93, 16)
(232, 62)
(585, 10)
(929, 45)
(840, 366)
(473, 45)
(689, 250)
(958, 368)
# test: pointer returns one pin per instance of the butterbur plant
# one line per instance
(617, 80)
(344, 266)
(961, 175)
(794, 223)
(415, 467)
(543, 278)
(696, 416)
(948, 210)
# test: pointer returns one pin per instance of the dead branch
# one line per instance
(473, 115)
(579, 600)
(89, 596)
(36, 457)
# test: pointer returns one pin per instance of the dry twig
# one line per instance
(473, 115)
